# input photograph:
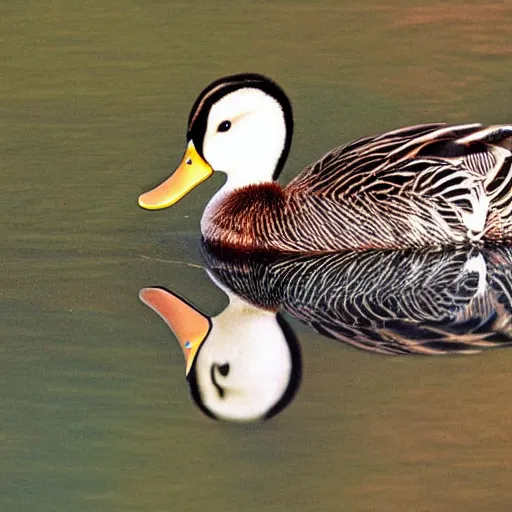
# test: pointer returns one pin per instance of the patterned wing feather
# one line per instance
(436, 184)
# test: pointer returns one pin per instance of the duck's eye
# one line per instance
(224, 126)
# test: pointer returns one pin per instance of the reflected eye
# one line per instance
(224, 126)
(224, 369)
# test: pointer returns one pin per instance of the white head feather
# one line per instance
(249, 150)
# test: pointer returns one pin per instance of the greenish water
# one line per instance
(95, 408)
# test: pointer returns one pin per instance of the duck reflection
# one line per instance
(245, 364)
(242, 365)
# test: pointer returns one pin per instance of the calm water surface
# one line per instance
(95, 408)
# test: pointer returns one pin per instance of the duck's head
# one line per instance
(242, 365)
(241, 125)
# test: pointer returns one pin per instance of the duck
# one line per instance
(429, 185)
(242, 365)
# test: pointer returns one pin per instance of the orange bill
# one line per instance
(192, 170)
(188, 324)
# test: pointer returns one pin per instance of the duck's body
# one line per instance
(416, 187)
(420, 186)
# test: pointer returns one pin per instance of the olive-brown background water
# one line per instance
(95, 412)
